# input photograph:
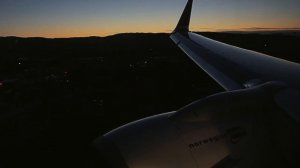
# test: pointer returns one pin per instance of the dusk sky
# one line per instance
(73, 18)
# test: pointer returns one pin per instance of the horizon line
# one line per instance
(204, 30)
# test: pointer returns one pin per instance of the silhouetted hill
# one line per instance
(57, 95)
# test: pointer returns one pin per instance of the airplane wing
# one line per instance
(255, 123)
(232, 67)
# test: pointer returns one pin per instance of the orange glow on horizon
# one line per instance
(95, 29)
(67, 18)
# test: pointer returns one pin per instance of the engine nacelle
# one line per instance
(232, 129)
(150, 142)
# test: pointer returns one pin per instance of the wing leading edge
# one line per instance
(232, 67)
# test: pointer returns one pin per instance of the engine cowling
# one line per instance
(231, 129)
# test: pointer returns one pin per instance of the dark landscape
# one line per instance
(58, 95)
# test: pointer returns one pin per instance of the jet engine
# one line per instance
(232, 129)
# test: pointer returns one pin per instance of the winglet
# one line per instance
(184, 22)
